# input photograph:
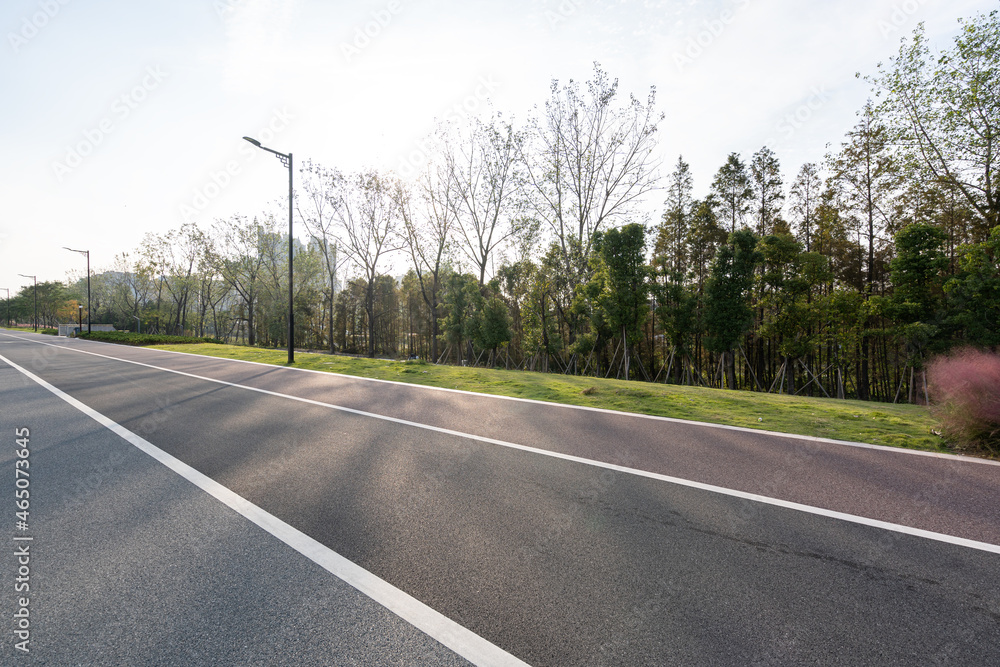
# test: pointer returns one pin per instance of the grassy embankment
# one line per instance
(875, 423)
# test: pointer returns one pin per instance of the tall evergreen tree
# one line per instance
(731, 188)
(766, 184)
(805, 200)
(728, 313)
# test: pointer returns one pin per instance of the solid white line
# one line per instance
(620, 413)
(809, 509)
(459, 639)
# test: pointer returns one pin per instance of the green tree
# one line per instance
(973, 295)
(728, 314)
(731, 188)
(621, 268)
(806, 191)
(766, 185)
(491, 326)
(672, 237)
(918, 272)
(944, 110)
(868, 174)
(461, 294)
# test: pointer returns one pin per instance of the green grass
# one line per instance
(875, 423)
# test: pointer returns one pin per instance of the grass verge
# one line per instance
(906, 426)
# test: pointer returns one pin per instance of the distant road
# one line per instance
(559, 535)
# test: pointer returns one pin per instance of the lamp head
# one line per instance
(253, 141)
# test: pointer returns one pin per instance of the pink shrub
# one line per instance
(965, 388)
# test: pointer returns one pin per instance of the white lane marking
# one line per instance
(459, 639)
(809, 509)
(619, 413)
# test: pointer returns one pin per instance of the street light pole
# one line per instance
(286, 159)
(87, 253)
(34, 278)
(7, 289)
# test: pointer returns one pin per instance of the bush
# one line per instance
(129, 338)
(965, 389)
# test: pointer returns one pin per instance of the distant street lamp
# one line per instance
(87, 253)
(286, 159)
(6, 289)
(35, 278)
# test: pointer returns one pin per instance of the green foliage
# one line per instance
(621, 269)
(944, 109)
(490, 326)
(974, 293)
(918, 272)
(728, 313)
(731, 188)
(129, 338)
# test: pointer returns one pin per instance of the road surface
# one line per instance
(498, 530)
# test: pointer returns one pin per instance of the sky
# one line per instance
(123, 118)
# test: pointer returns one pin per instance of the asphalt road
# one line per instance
(558, 562)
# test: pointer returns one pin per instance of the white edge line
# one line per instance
(674, 420)
(777, 502)
(439, 627)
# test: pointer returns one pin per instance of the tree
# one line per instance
(460, 295)
(728, 314)
(944, 111)
(918, 272)
(731, 188)
(805, 199)
(974, 292)
(592, 161)
(491, 326)
(486, 175)
(621, 269)
(672, 237)
(370, 222)
(242, 261)
(317, 206)
(868, 175)
(766, 185)
(428, 219)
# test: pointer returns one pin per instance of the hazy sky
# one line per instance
(126, 117)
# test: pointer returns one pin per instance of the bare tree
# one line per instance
(370, 220)
(486, 174)
(318, 188)
(429, 217)
(592, 161)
